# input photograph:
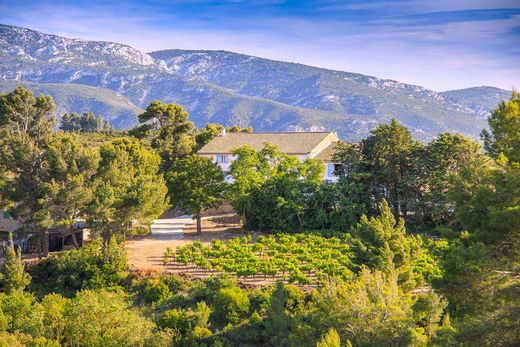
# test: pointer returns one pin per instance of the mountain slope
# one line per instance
(344, 93)
(78, 98)
(479, 100)
(233, 88)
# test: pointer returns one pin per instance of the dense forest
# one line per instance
(415, 245)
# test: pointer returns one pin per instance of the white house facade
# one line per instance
(319, 146)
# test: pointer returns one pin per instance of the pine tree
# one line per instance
(331, 339)
(12, 276)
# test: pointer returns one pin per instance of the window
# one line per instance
(222, 159)
(334, 169)
(330, 169)
(339, 169)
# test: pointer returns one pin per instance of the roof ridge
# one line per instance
(281, 132)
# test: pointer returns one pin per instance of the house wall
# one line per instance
(327, 176)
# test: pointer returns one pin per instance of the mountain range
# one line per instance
(118, 81)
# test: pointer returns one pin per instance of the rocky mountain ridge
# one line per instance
(232, 88)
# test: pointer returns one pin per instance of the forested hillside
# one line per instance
(416, 245)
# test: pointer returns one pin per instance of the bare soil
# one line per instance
(145, 253)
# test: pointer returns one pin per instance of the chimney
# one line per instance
(222, 132)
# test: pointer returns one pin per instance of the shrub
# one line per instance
(102, 318)
(90, 267)
(175, 319)
(231, 304)
(156, 290)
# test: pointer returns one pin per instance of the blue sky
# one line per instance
(443, 44)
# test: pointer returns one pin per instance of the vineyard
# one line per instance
(304, 259)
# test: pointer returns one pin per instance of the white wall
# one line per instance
(329, 173)
(327, 176)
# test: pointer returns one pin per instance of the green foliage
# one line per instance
(12, 274)
(435, 166)
(331, 339)
(170, 131)
(21, 313)
(195, 184)
(54, 308)
(388, 153)
(71, 168)
(25, 130)
(91, 267)
(270, 178)
(413, 178)
(336, 206)
(102, 318)
(504, 124)
(369, 311)
(231, 304)
(156, 290)
(87, 123)
(127, 189)
(280, 323)
(175, 319)
(383, 244)
(299, 258)
(481, 267)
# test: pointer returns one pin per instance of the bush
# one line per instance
(206, 289)
(102, 318)
(231, 304)
(156, 290)
(90, 267)
(175, 319)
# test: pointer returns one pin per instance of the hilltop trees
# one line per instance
(127, 188)
(87, 122)
(388, 153)
(196, 184)
(436, 164)
(414, 178)
(170, 131)
(71, 169)
(505, 130)
(52, 179)
(481, 270)
(25, 130)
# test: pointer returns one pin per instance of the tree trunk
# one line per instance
(73, 238)
(45, 244)
(40, 255)
(105, 234)
(244, 220)
(199, 224)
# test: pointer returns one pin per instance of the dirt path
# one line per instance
(146, 253)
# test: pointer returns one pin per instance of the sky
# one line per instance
(440, 44)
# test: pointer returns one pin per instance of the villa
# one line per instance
(304, 145)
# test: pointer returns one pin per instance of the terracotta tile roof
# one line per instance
(288, 142)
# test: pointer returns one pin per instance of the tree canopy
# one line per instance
(196, 184)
